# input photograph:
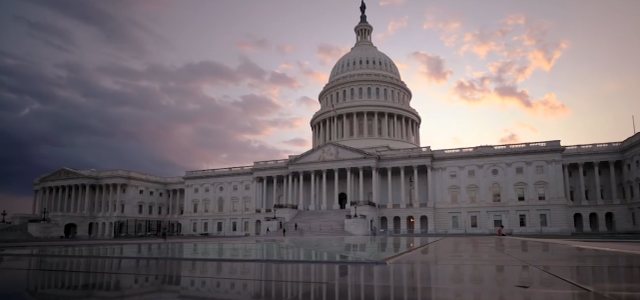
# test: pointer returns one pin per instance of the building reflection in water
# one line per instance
(101, 278)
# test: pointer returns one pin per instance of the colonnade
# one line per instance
(629, 187)
(290, 189)
(366, 124)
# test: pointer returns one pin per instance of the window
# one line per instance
(497, 221)
(601, 193)
(205, 227)
(246, 226)
(569, 173)
(520, 192)
(541, 193)
(194, 227)
(359, 93)
(206, 207)
(195, 208)
(221, 189)
(234, 226)
(628, 167)
(586, 194)
(494, 172)
(471, 173)
(377, 93)
(474, 221)
(472, 196)
(539, 170)
(235, 187)
(124, 190)
(150, 209)
(141, 192)
(519, 170)
(344, 95)
(219, 226)
(368, 92)
(584, 173)
(454, 196)
(150, 193)
(454, 222)
(159, 210)
(206, 190)
(247, 187)
(352, 93)
(571, 194)
(495, 191)
(139, 209)
(637, 164)
(453, 174)
(122, 208)
(385, 98)
(523, 220)
(543, 220)
(181, 210)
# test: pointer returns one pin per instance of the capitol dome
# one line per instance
(365, 104)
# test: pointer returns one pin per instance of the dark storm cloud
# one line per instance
(155, 119)
(52, 35)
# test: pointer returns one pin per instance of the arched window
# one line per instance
(393, 95)
(337, 97)
(385, 94)
(377, 93)
(368, 92)
(495, 192)
(344, 95)
(360, 93)
(331, 97)
(353, 92)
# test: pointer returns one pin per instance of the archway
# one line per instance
(593, 222)
(384, 224)
(258, 227)
(424, 224)
(578, 224)
(411, 222)
(610, 222)
(90, 229)
(342, 200)
(70, 230)
(396, 224)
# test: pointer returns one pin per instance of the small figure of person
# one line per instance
(284, 232)
(500, 233)
(268, 230)
(296, 226)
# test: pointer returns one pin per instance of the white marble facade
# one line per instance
(366, 150)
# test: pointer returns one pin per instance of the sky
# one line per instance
(166, 86)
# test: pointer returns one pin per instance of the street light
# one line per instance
(4, 213)
(44, 214)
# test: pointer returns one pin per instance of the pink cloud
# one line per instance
(252, 43)
(284, 49)
(509, 138)
(316, 76)
(329, 54)
(432, 67)
(297, 142)
(311, 104)
(394, 26)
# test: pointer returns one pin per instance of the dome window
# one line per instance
(377, 93)
(352, 93)
(360, 93)
(374, 62)
(368, 92)
(361, 62)
(367, 62)
(344, 95)
(385, 94)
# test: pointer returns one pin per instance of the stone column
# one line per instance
(349, 185)
(300, 192)
(361, 185)
(355, 125)
(612, 176)
(275, 185)
(390, 199)
(596, 169)
(87, 203)
(285, 180)
(324, 189)
(416, 201)
(290, 189)
(366, 125)
(566, 182)
(430, 186)
(375, 124)
(336, 178)
(374, 185)
(403, 203)
(69, 207)
(265, 180)
(581, 177)
(385, 128)
(312, 199)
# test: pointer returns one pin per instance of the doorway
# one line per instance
(342, 200)
(577, 222)
(70, 230)
(258, 227)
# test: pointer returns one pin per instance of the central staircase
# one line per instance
(317, 223)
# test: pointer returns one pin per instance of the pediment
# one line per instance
(63, 174)
(331, 152)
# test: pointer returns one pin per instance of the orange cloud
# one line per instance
(330, 53)
(432, 67)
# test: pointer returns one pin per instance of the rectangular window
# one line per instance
(586, 194)
(454, 222)
(219, 226)
(205, 227)
(543, 220)
(139, 209)
(571, 195)
(150, 209)
(472, 173)
(247, 187)
(206, 190)
(472, 196)
(195, 208)
(539, 170)
(541, 193)
(523, 220)
(141, 191)
(206, 207)
(599, 172)
(497, 221)
(159, 210)
(235, 187)
(150, 193)
(495, 191)
(454, 196)
(474, 221)
(160, 194)
(234, 226)
(519, 170)
(453, 174)
(195, 190)
(121, 208)
(246, 226)
(569, 173)
(195, 227)
(520, 192)
(631, 192)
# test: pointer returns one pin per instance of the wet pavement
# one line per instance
(321, 268)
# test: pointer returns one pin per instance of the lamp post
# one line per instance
(355, 213)
(44, 214)
(4, 213)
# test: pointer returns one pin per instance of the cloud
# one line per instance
(509, 138)
(392, 2)
(297, 142)
(316, 76)
(111, 22)
(52, 35)
(311, 104)
(394, 26)
(446, 28)
(251, 43)
(329, 54)
(432, 67)
(284, 49)
(158, 119)
(527, 127)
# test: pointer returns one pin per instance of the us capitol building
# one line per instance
(366, 172)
